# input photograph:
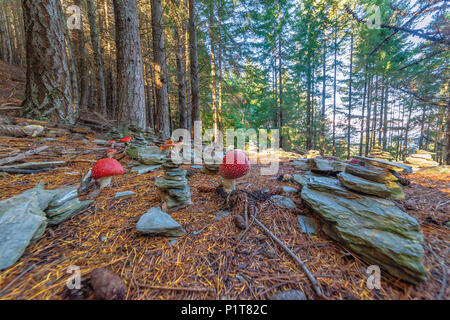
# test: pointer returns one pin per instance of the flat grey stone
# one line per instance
(221, 215)
(17, 230)
(307, 225)
(373, 228)
(124, 194)
(287, 189)
(157, 222)
(100, 142)
(398, 167)
(289, 295)
(283, 202)
(389, 190)
(326, 165)
(68, 210)
(143, 169)
(63, 195)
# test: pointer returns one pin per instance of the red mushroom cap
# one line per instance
(354, 161)
(111, 151)
(106, 168)
(125, 139)
(234, 165)
(112, 142)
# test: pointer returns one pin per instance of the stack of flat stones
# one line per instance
(378, 153)
(175, 191)
(421, 159)
(372, 178)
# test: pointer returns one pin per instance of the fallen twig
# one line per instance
(22, 155)
(175, 288)
(310, 276)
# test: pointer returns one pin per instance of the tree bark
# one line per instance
(80, 61)
(349, 119)
(193, 56)
(100, 74)
(130, 78)
(49, 87)
(212, 82)
(181, 81)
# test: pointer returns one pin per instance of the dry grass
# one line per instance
(213, 261)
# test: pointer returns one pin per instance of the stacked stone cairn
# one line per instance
(174, 188)
(378, 153)
(421, 159)
(211, 165)
(355, 204)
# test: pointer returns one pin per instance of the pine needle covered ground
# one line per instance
(214, 260)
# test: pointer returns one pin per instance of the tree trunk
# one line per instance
(322, 115)
(212, 82)
(100, 74)
(181, 81)
(385, 120)
(49, 87)
(193, 56)
(362, 113)
(369, 100)
(350, 99)
(447, 157)
(334, 91)
(130, 78)
(219, 31)
(80, 61)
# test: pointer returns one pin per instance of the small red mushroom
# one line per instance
(234, 165)
(354, 161)
(112, 143)
(104, 169)
(126, 140)
(111, 152)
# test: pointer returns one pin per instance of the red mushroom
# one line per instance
(112, 143)
(234, 165)
(104, 169)
(126, 140)
(111, 152)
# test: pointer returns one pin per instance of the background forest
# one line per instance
(332, 75)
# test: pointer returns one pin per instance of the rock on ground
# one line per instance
(373, 228)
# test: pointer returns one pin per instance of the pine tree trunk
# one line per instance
(130, 78)
(280, 74)
(349, 119)
(4, 35)
(219, 31)
(79, 49)
(100, 74)
(362, 113)
(181, 80)
(369, 102)
(374, 122)
(447, 156)
(49, 87)
(193, 55)
(322, 115)
(385, 120)
(334, 91)
(212, 82)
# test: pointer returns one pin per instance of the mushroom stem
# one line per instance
(229, 185)
(104, 182)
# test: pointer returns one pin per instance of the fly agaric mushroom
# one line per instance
(126, 140)
(234, 165)
(112, 143)
(104, 169)
(111, 152)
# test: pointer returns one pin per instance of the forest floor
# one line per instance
(215, 259)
